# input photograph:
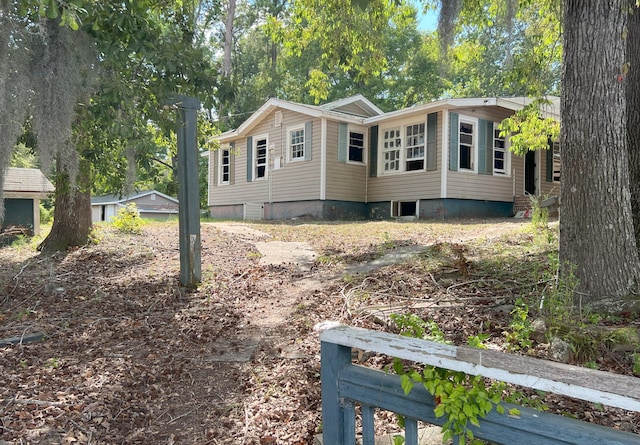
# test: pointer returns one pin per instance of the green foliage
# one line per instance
(636, 363)
(528, 130)
(52, 363)
(46, 215)
(557, 303)
(539, 215)
(411, 325)
(19, 242)
(128, 220)
(519, 335)
(461, 398)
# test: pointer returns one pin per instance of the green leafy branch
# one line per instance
(461, 398)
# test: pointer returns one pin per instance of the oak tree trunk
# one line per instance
(632, 83)
(72, 213)
(596, 229)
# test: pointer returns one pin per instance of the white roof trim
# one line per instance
(327, 110)
(358, 99)
(272, 104)
(136, 196)
(510, 103)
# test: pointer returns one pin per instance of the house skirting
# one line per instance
(441, 209)
(348, 210)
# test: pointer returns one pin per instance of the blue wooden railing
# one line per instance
(345, 385)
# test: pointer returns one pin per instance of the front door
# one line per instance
(530, 173)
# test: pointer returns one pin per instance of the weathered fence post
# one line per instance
(333, 358)
(189, 190)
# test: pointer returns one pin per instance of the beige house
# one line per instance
(349, 160)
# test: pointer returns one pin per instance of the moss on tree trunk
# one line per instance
(72, 214)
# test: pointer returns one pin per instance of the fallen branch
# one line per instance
(24, 338)
(33, 402)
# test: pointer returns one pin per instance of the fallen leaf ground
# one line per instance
(131, 357)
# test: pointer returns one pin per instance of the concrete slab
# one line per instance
(281, 252)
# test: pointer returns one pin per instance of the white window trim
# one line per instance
(403, 148)
(474, 147)
(362, 131)
(382, 151)
(220, 181)
(424, 148)
(507, 154)
(255, 157)
(290, 158)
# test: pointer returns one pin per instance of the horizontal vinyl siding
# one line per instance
(517, 171)
(409, 185)
(345, 181)
(211, 176)
(242, 191)
(467, 185)
(295, 181)
(463, 185)
(405, 187)
(299, 180)
(352, 109)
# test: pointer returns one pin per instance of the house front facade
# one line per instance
(349, 160)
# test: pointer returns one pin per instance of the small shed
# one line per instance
(23, 189)
(150, 204)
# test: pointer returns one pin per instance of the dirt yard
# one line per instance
(128, 356)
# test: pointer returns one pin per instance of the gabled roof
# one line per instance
(118, 199)
(26, 180)
(338, 110)
(309, 110)
(359, 101)
(510, 103)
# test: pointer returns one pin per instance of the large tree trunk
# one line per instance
(596, 228)
(228, 38)
(72, 214)
(632, 82)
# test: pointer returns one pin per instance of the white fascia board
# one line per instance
(362, 101)
(435, 105)
(227, 136)
(256, 117)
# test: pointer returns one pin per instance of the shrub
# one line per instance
(45, 215)
(128, 220)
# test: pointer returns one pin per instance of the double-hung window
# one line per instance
(225, 166)
(499, 152)
(356, 146)
(391, 144)
(466, 145)
(415, 147)
(296, 144)
(260, 158)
